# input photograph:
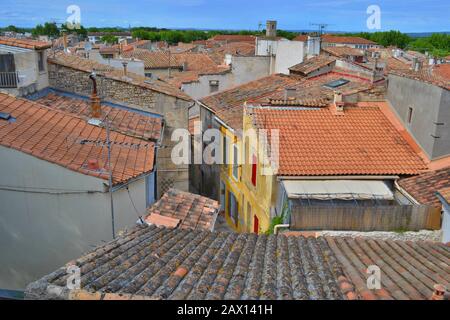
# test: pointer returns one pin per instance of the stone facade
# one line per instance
(173, 109)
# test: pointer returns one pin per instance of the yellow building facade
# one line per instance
(246, 194)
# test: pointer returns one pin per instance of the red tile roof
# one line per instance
(192, 211)
(227, 105)
(25, 43)
(301, 37)
(362, 141)
(328, 38)
(153, 59)
(86, 65)
(235, 48)
(409, 270)
(233, 38)
(311, 65)
(124, 121)
(343, 51)
(438, 75)
(59, 137)
(423, 187)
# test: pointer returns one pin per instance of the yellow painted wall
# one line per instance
(251, 200)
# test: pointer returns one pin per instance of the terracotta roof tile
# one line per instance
(25, 43)
(343, 51)
(438, 75)
(123, 121)
(233, 38)
(328, 38)
(193, 211)
(227, 104)
(64, 139)
(86, 65)
(423, 187)
(312, 65)
(301, 37)
(409, 270)
(161, 263)
(362, 141)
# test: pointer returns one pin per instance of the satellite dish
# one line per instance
(88, 46)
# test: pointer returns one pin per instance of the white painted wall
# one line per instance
(243, 69)
(284, 53)
(39, 231)
(30, 78)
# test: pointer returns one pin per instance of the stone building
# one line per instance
(71, 74)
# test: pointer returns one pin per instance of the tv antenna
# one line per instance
(321, 26)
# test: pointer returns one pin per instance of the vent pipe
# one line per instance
(96, 111)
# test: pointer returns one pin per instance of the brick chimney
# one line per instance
(96, 111)
(439, 292)
(338, 104)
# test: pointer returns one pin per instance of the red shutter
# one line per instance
(254, 168)
(255, 224)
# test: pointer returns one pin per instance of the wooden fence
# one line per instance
(382, 218)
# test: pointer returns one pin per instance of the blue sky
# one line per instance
(342, 15)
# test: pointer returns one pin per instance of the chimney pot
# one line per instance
(439, 292)
(125, 64)
(93, 164)
(338, 103)
(96, 111)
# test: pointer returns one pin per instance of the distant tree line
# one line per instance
(438, 44)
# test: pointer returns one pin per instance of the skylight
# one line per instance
(336, 83)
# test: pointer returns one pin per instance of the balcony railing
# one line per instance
(9, 79)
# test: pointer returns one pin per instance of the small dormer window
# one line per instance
(41, 61)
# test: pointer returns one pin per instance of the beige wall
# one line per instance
(41, 230)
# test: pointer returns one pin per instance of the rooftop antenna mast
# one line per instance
(321, 26)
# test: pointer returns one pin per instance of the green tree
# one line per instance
(110, 39)
(48, 29)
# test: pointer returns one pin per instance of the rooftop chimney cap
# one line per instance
(439, 292)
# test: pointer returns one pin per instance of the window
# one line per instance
(235, 162)
(232, 207)
(410, 114)
(213, 86)
(254, 169)
(41, 61)
(148, 75)
(336, 83)
(224, 150)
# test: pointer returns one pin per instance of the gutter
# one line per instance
(279, 226)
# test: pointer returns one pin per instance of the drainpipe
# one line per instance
(279, 226)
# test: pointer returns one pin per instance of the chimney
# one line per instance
(439, 292)
(96, 111)
(93, 164)
(418, 66)
(271, 28)
(65, 41)
(125, 64)
(338, 104)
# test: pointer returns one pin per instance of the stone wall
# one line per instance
(174, 111)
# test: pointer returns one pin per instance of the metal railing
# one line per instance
(9, 79)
